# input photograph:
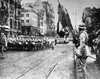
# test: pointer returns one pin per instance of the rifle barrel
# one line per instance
(91, 57)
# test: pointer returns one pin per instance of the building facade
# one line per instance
(42, 22)
(38, 7)
(12, 12)
(17, 22)
(45, 9)
(29, 21)
(50, 19)
(45, 16)
(4, 14)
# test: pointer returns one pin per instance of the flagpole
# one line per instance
(58, 1)
(75, 19)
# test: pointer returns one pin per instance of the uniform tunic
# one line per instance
(83, 49)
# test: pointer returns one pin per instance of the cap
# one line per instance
(2, 33)
(83, 27)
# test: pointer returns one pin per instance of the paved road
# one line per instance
(45, 64)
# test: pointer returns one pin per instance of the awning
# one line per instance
(5, 26)
(19, 31)
(7, 29)
(13, 30)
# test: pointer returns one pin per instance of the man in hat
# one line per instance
(83, 40)
(83, 50)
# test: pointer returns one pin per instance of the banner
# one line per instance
(64, 18)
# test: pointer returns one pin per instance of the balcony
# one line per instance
(18, 5)
(11, 2)
(17, 17)
(12, 9)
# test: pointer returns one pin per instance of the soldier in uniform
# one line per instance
(83, 50)
(83, 40)
(53, 43)
(3, 43)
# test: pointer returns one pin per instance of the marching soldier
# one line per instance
(29, 43)
(3, 43)
(53, 44)
(83, 40)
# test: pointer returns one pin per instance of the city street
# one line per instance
(43, 64)
(29, 30)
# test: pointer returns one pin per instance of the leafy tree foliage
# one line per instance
(91, 18)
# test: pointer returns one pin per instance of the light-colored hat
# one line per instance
(83, 27)
(2, 33)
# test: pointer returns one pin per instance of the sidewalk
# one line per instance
(92, 68)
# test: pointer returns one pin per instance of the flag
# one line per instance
(64, 18)
(58, 27)
(60, 33)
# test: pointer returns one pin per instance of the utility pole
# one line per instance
(75, 19)
(74, 15)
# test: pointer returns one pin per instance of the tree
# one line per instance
(91, 18)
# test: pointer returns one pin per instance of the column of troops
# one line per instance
(29, 43)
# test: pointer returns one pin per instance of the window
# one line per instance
(42, 18)
(41, 23)
(19, 13)
(27, 21)
(42, 12)
(19, 24)
(2, 3)
(15, 24)
(22, 15)
(11, 22)
(22, 21)
(11, 9)
(41, 30)
(27, 15)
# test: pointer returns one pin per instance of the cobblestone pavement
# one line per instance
(45, 64)
(93, 69)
